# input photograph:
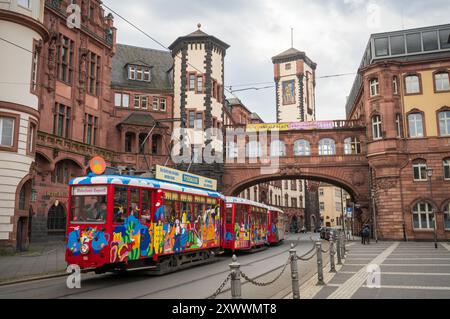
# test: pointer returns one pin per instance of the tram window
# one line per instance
(120, 204)
(170, 210)
(187, 211)
(90, 209)
(145, 209)
(199, 211)
(229, 216)
(133, 207)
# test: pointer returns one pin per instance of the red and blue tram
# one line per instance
(120, 222)
(277, 226)
(249, 225)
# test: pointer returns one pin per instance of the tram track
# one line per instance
(55, 289)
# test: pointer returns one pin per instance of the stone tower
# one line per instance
(295, 81)
(199, 101)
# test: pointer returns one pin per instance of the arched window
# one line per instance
(302, 148)
(420, 170)
(61, 173)
(447, 216)
(415, 125)
(376, 127)
(444, 123)
(441, 81)
(352, 146)
(277, 148)
(232, 150)
(327, 146)
(423, 217)
(253, 149)
(446, 163)
(412, 84)
(374, 87)
(56, 219)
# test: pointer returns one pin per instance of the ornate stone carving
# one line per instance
(289, 171)
(82, 72)
(386, 184)
(52, 54)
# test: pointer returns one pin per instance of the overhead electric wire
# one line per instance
(156, 41)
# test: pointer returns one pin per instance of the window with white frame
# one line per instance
(322, 206)
(6, 131)
(376, 127)
(398, 123)
(395, 84)
(420, 171)
(374, 87)
(302, 148)
(352, 146)
(412, 83)
(444, 123)
(253, 149)
(139, 73)
(24, 3)
(447, 216)
(121, 100)
(415, 124)
(441, 81)
(232, 150)
(155, 104)
(423, 216)
(140, 101)
(162, 104)
(446, 164)
(327, 146)
(321, 192)
(277, 148)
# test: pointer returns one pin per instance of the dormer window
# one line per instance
(139, 73)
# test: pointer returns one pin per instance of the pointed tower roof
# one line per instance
(293, 54)
(197, 36)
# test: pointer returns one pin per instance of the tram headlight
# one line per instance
(84, 249)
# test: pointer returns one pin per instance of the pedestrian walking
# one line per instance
(365, 234)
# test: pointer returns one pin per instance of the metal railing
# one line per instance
(336, 246)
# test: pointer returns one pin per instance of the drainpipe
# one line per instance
(405, 238)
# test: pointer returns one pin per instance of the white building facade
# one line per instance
(23, 34)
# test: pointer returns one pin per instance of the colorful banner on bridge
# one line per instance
(292, 126)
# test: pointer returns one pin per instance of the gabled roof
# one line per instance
(160, 61)
(293, 54)
(140, 119)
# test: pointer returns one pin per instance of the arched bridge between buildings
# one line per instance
(344, 165)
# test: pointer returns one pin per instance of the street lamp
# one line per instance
(430, 174)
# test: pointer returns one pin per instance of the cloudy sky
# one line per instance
(333, 33)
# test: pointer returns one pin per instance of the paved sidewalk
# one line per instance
(409, 270)
(41, 259)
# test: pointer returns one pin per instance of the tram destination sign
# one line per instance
(175, 176)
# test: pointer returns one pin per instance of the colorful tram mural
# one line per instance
(118, 222)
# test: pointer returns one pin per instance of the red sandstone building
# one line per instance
(402, 94)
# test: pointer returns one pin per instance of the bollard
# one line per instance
(320, 281)
(332, 253)
(343, 246)
(236, 292)
(294, 273)
(338, 249)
